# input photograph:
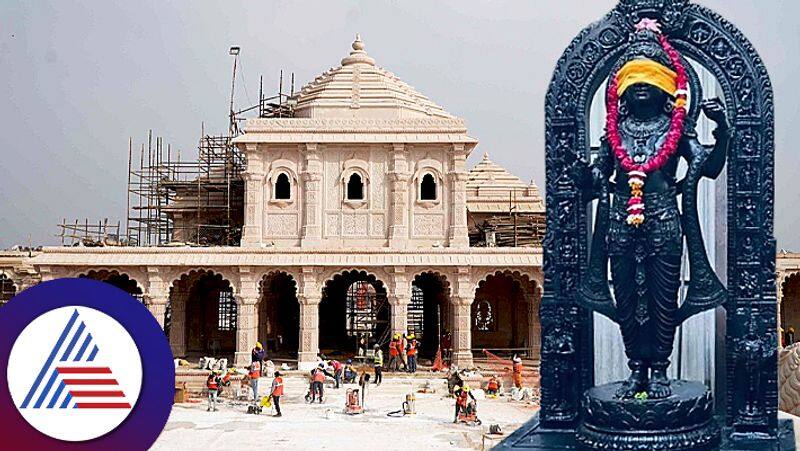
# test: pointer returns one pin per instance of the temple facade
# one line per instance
(357, 218)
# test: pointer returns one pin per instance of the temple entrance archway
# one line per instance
(790, 309)
(353, 309)
(279, 315)
(201, 316)
(117, 279)
(505, 315)
(429, 313)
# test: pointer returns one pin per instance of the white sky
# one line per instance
(77, 80)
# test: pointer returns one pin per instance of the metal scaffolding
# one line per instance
(175, 201)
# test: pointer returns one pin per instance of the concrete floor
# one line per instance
(325, 426)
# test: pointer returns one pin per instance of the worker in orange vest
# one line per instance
(254, 374)
(394, 356)
(401, 352)
(493, 386)
(212, 385)
(412, 353)
(517, 367)
(317, 379)
(277, 392)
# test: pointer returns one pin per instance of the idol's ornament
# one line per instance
(641, 214)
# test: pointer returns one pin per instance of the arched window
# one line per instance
(7, 289)
(484, 316)
(427, 188)
(283, 188)
(355, 187)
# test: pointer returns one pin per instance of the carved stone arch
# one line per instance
(707, 38)
(188, 274)
(105, 274)
(439, 273)
(329, 274)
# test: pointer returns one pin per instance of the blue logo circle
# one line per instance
(88, 368)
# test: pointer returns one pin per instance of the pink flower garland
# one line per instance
(637, 173)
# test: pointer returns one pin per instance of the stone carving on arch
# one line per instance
(188, 274)
(438, 273)
(294, 273)
(329, 274)
(137, 275)
(705, 37)
(13, 278)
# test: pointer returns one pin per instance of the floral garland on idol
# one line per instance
(637, 173)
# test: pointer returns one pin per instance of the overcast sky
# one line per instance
(78, 79)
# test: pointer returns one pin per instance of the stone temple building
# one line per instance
(357, 217)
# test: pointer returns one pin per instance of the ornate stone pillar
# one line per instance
(177, 328)
(399, 175)
(458, 235)
(246, 316)
(399, 297)
(461, 300)
(309, 295)
(156, 295)
(253, 197)
(312, 194)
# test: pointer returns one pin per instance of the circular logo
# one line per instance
(87, 367)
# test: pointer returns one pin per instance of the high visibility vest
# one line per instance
(277, 389)
(492, 385)
(255, 370)
(212, 383)
(319, 376)
(412, 348)
(378, 359)
(518, 367)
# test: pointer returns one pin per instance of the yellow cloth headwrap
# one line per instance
(649, 72)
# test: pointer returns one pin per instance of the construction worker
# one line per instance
(254, 374)
(258, 354)
(393, 365)
(411, 353)
(338, 369)
(277, 392)
(401, 349)
(317, 380)
(377, 363)
(463, 394)
(516, 364)
(350, 373)
(493, 386)
(212, 385)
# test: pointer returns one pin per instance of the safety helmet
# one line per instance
(377, 346)
(411, 336)
(258, 345)
(349, 361)
(466, 387)
(457, 388)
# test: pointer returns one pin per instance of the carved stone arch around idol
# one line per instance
(355, 182)
(281, 182)
(718, 46)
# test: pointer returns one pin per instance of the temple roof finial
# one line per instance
(358, 55)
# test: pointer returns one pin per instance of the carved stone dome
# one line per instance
(360, 89)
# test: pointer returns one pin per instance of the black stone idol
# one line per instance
(623, 228)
